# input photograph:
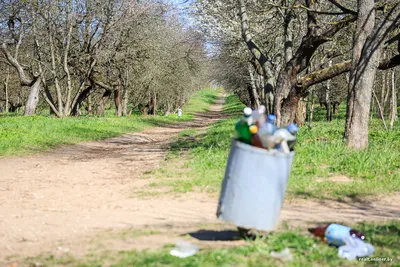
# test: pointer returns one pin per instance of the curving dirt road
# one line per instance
(66, 197)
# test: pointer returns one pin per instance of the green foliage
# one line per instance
(21, 135)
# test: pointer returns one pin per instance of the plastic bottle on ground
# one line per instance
(335, 234)
(242, 127)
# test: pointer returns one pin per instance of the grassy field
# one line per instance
(23, 135)
(306, 251)
(321, 158)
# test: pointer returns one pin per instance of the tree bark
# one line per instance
(301, 112)
(311, 114)
(117, 101)
(33, 98)
(6, 90)
(89, 105)
(254, 94)
(328, 98)
(102, 105)
(125, 102)
(366, 56)
(336, 108)
(382, 102)
(393, 101)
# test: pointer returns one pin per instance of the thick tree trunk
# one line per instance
(366, 54)
(286, 109)
(33, 98)
(393, 102)
(301, 112)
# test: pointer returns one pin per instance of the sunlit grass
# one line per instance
(320, 154)
(23, 135)
(306, 251)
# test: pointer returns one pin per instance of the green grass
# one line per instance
(306, 251)
(320, 153)
(23, 135)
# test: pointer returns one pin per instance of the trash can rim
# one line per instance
(258, 150)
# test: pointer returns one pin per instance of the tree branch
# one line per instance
(344, 9)
(337, 69)
(23, 79)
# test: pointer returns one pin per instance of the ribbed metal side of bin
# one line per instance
(254, 186)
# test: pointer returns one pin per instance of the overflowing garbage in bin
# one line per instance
(259, 130)
(257, 171)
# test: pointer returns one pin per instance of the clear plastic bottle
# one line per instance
(242, 127)
(269, 125)
(288, 136)
(259, 116)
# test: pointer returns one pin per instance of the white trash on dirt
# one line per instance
(284, 255)
(184, 249)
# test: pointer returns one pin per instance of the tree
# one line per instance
(366, 55)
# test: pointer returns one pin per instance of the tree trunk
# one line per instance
(285, 107)
(251, 97)
(80, 98)
(125, 102)
(155, 104)
(310, 118)
(301, 112)
(336, 108)
(328, 98)
(117, 101)
(393, 102)
(90, 105)
(381, 111)
(33, 98)
(366, 54)
(254, 94)
(6, 90)
(103, 101)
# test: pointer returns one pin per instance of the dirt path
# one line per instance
(77, 192)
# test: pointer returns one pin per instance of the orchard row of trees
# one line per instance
(282, 52)
(77, 56)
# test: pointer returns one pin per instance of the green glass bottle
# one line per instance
(242, 127)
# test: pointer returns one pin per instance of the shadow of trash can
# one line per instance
(254, 186)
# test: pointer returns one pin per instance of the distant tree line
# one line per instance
(80, 56)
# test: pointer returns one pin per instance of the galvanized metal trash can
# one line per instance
(254, 186)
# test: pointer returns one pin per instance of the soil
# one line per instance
(79, 198)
